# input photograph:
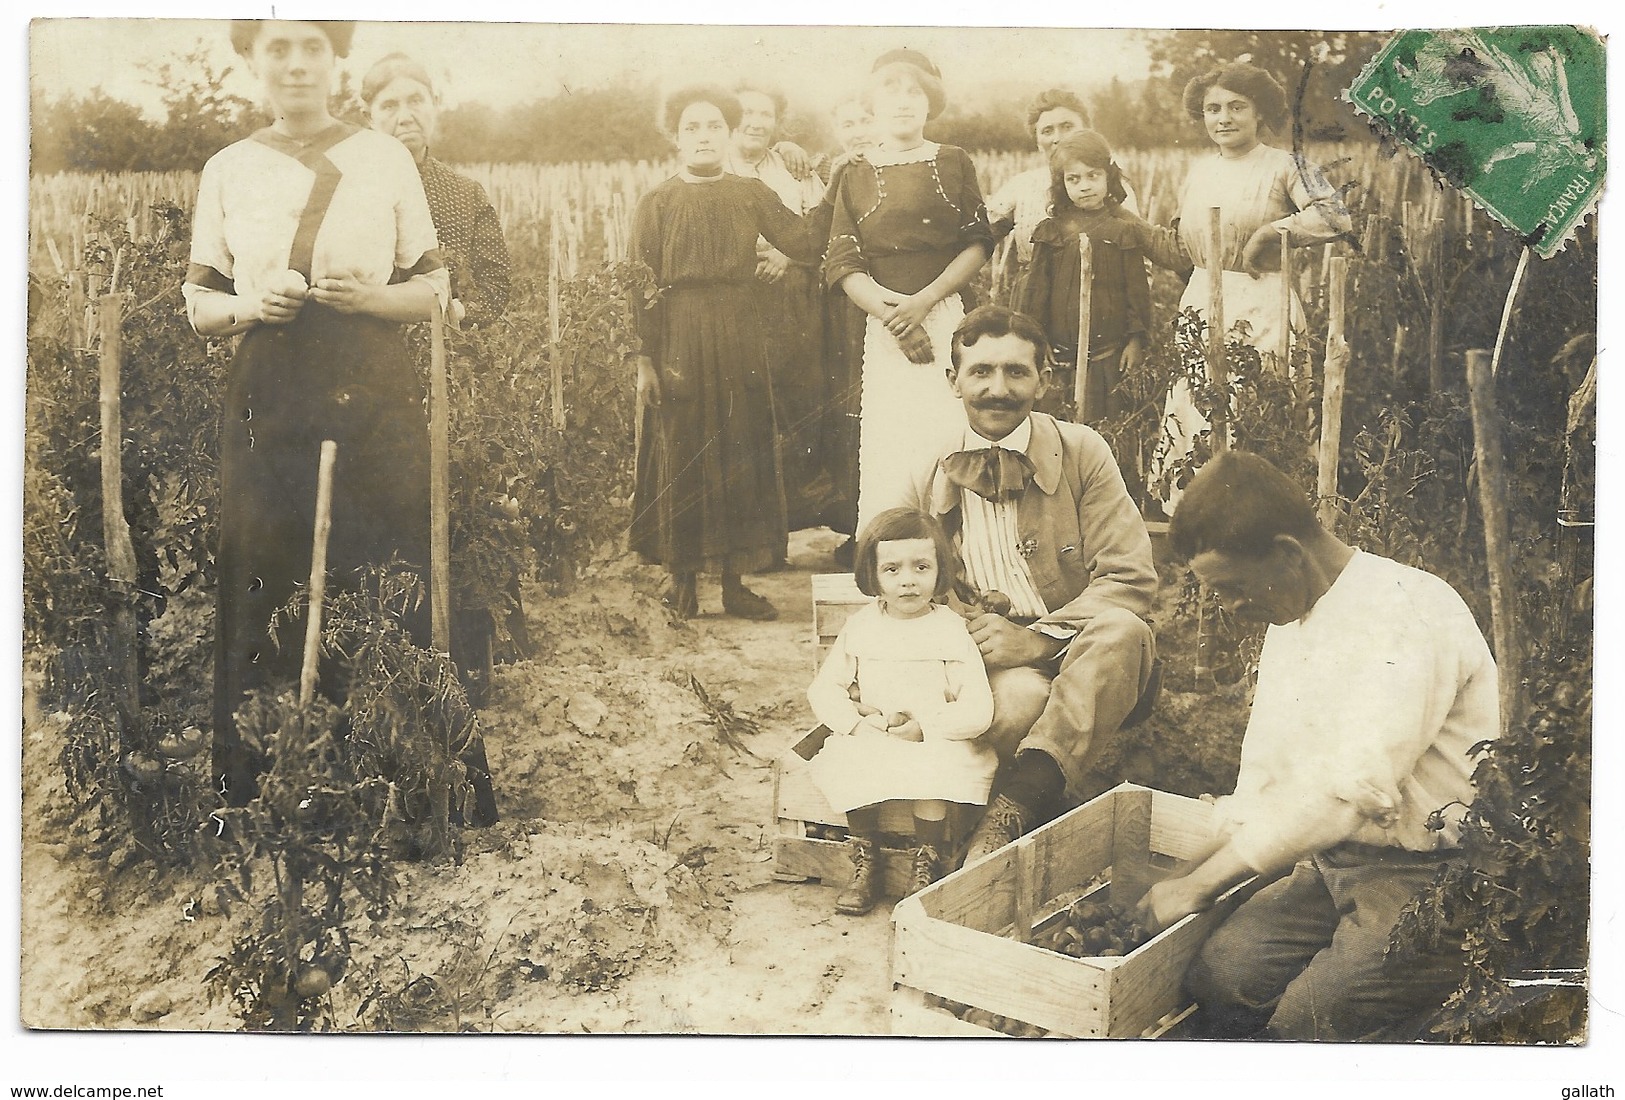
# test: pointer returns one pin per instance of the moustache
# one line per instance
(1002, 404)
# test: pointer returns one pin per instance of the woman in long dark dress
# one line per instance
(312, 240)
(789, 297)
(709, 495)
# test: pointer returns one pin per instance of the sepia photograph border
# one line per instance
(250, 1066)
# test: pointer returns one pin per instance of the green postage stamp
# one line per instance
(1514, 116)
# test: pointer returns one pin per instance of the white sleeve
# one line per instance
(1398, 682)
(211, 255)
(970, 712)
(209, 247)
(829, 692)
(417, 249)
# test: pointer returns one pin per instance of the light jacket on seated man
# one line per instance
(1064, 541)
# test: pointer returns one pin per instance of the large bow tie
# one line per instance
(992, 473)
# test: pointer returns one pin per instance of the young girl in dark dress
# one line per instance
(709, 495)
(1086, 194)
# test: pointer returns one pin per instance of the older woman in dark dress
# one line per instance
(402, 102)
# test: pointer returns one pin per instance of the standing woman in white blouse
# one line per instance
(1259, 191)
(312, 240)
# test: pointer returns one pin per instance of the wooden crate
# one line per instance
(809, 836)
(835, 597)
(964, 939)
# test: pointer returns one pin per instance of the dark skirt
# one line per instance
(709, 495)
(792, 316)
(844, 324)
(324, 376)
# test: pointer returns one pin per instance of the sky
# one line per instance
(503, 63)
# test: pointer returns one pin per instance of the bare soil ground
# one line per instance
(628, 888)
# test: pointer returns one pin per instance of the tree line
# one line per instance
(96, 132)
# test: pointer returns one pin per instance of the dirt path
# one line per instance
(628, 888)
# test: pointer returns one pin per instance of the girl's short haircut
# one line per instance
(387, 68)
(340, 32)
(919, 68)
(781, 103)
(684, 98)
(902, 523)
(1089, 148)
(1238, 504)
(1257, 85)
(1051, 99)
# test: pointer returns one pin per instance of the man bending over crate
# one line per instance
(1057, 560)
(1373, 686)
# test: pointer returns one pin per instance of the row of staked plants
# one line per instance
(347, 789)
(1518, 904)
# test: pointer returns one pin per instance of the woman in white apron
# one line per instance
(1259, 190)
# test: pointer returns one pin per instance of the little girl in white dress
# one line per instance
(906, 698)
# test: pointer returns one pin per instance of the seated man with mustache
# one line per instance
(1055, 558)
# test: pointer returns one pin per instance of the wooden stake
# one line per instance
(1331, 406)
(439, 560)
(1218, 368)
(318, 572)
(1492, 496)
(1284, 350)
(1436, 379)
(439, 485)
(1373, 227)
(1219, 372)
(555, 362)
(1086, 290)
(1396, 364)
(120, 549)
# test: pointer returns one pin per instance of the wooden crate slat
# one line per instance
(1144, 993)
(835, 598)
(1180, 827)
(829, 862)
(807, 745)
(836, 588)
(910, 1015)
(985, 897)
(1068, 852)
(1131, 846)
(1073, 853)
(1005, 977)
